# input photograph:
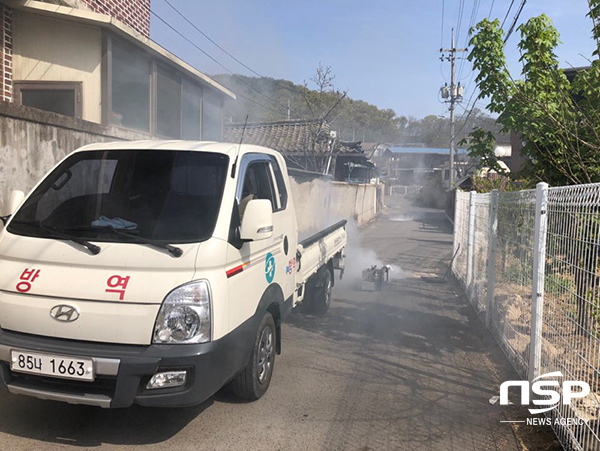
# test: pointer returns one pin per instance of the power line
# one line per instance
(512, 27)
(474, 13)
(508, 34)
(469, 113)
(284, 111)
(461, 8)
(211, 40)
(442, 30)
(507, 13)
(491, 8)
(287, 88)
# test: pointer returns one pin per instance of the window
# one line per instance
(168, 104)
(58, 97)
(258, 184)
(130, 88)
(154, 96)
(192, 111)
(171, 196)
(280, 183)
(211, 116)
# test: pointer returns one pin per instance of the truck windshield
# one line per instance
(168, 196)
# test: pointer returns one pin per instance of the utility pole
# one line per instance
(452, 95)
(288, 109)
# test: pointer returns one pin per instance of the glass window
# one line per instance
(258, 184)
(58, 97)
(170, 196)
(212, 117)
(192, 111)
(280, 183)
(168, 104)
(130, 92)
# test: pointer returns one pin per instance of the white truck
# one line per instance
(154, 273)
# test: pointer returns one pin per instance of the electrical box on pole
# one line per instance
(452, 94)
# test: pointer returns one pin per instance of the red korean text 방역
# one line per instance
(27, 278)
(117, 284)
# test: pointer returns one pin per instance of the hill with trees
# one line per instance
(266, 99)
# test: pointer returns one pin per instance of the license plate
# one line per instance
(52, 365)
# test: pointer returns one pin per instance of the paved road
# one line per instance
(409, 368)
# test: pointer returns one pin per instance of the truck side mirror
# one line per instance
(257, 223)
(16, 199)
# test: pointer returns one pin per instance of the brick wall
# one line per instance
(133, 13)
(5, 53)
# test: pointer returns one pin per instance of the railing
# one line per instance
(529, 262)
(405, 190)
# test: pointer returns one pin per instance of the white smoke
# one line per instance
(359, 258)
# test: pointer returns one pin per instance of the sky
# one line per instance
(382, 51)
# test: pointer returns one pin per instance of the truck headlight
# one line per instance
(184, 316)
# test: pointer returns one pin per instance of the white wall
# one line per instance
(320, 203)
(46, 49)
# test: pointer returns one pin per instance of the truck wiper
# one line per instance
(59, 234)
(173, 250)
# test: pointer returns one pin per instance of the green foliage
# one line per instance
(594, 14)
(482, 145)
(558, 284)
(502, 183)
(557, 119)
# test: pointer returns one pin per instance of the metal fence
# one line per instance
(404, 190)
(529, 262)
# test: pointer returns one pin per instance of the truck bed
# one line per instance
(318, 249)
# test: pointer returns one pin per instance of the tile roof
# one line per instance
(291, 138)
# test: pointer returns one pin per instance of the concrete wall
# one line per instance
(33, 141)
(59, 51)
(320, 202)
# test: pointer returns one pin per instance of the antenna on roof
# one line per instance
(239, 148)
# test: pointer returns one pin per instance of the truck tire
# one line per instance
(253, 381)
(319, 292)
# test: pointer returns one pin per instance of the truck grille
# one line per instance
(103, 385)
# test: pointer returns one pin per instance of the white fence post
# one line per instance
(457, 228)
(470, 243)
(539, 268)
(491, 264)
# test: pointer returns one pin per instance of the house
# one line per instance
(308, 145)
(94, 60)
(381, 155)
(352, 165)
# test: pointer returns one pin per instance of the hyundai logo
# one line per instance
(64, 313)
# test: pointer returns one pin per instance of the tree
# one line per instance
(557, 119)
(321, 103)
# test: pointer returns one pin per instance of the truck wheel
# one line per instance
(321, 292)
(253, 381)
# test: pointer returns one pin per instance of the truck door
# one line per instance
(255, 265)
